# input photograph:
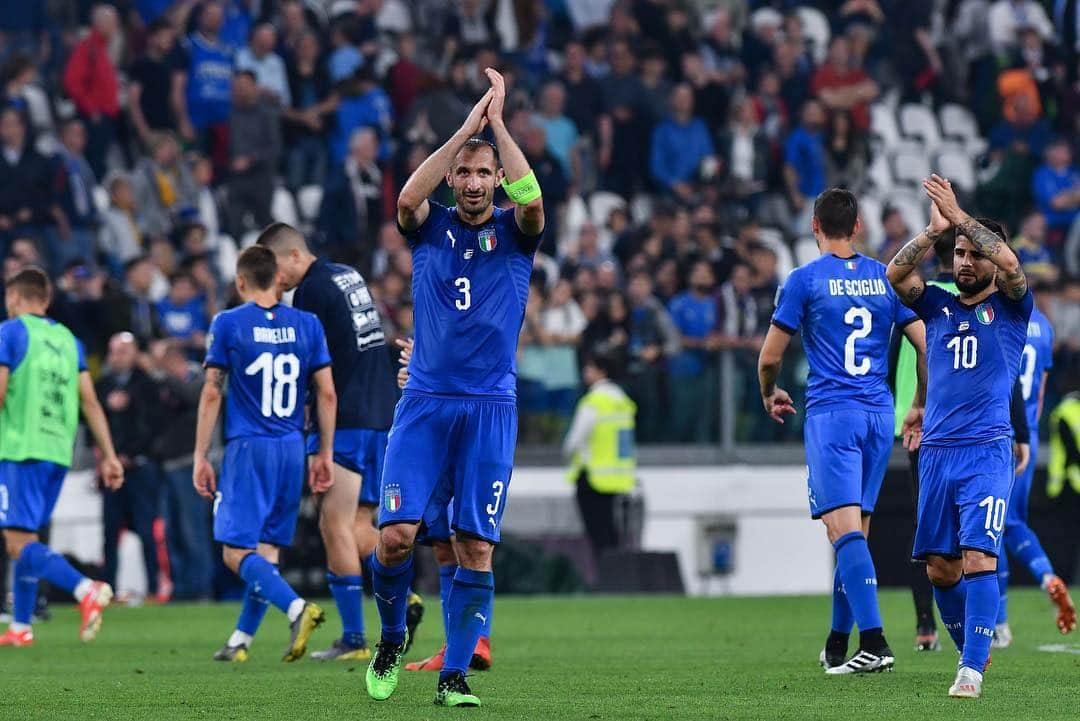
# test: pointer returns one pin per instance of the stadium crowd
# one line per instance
(679, 145)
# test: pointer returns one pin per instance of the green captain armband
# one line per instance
(524, 190)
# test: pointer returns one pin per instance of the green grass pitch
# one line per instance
(594, 657)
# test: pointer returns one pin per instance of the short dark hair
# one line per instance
(836, 211)
(32, 283)
(159, 25)
(943, 248)
(258, 266)
(603, 362)
(274, 235)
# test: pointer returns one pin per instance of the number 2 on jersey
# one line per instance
(465, 288)
(279, 376)
(865, 324)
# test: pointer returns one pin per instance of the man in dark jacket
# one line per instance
(352, 209)
(129, 396)
(187, 518)
(254, 151)
(24, 182)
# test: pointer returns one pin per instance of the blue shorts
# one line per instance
(963, 498)
(362, 451)
(28, 493)
(450, 447)
(847, 452)
(1017, 514)
(258, 494)
(438, 527)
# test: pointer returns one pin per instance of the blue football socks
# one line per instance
(252, 611)
(263, 578)
(348, 595)
(391, 587)
(446, 582)
(856, 570)
(1003, 587)
(980, 610)
(469, 611)
(842, 618)
(950, 602)
(38, 561)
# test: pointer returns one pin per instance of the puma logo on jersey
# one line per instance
(453, 240)
(946, 311)
(482, 617)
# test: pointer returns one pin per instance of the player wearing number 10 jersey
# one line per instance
(455, 426)
(846, 310)
(270, 354)
(974, 342)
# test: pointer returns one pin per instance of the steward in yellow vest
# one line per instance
(600, 447)
(1064, 461)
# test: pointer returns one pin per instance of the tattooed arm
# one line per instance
(903, 269)
(1011, 280)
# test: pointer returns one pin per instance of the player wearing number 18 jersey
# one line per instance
(270, 354)
(455, 427)
(846, 310)
(974, 342)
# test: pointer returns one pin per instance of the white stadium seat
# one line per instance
(870, 215)
(310, 198)
(916, 212)
(919, 121)
(958, 123)
(249, 239)
(601, 203)
(958, 168)
(880, 174)
(773, 239)
(883, 126)
(806, 250)
(910, 168)
(283, 207)
(816, 28)
(101, 198)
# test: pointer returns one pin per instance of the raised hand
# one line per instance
(939, 224)
(940, 191)
(498, 97)
(478, 118)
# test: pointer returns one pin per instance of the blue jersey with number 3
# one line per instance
(846, 310)
(470, 286)
(973, 356)
(270, 355)
(1037, 358)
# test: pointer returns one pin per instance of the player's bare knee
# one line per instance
(444, 553)
(396, 542)
(944, 572)
(15, 542)
(473, 553)
(979, 562)
(842, 521)
(233, 557)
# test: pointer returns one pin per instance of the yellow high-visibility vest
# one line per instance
(612, 459)
(1057, 469)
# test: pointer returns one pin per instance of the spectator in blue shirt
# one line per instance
(694, 385)
(804, 160)
(182, 313)
(73, 185)
(363, 104)
(1056, 187)
(680, 144)
(562, 134)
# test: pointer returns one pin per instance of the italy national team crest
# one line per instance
(487, 240)
(985, 314)
(392, 497)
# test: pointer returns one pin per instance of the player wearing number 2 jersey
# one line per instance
(1020, 539)
(455, 427)
(974, 342)
(270, 354)
(846, 310)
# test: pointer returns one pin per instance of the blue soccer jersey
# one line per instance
(846, 309)
(973, 355)
(270, 355)
(364, 376)
(1037, 359)
(470, 286)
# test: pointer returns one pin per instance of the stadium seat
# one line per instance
(601, 203)
(870, 214)
(101, 198)
(641, 208)
(806, 250)
(310, 198)
(283, 207)
(916, 212)
(911, 168)
(774, 240)
(880, 174)
(958, 168)
(919, 121)
(816, 28)
(226, 257)
(574, 216)
(957, 122)
(883, 126)
(249, 239)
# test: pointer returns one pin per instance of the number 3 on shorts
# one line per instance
(496, 492)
